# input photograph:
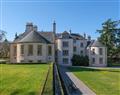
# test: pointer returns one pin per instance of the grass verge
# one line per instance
(101, 81)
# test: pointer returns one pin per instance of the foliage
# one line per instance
(2, 35)
(4, 49)
(101, 81)
(110, 37)
(78, 60)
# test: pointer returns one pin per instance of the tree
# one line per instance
(4, 45)
(110, 36)
(4, 49)
(2, 35)
(78, 60)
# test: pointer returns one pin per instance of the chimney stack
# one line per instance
(29, 27)
(35, 28)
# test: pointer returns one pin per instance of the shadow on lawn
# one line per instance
(26, 63)
(18, 92)
(8, 63)
(81, 69)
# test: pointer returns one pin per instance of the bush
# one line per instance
(78, 60)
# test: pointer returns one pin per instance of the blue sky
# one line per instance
(78, 15)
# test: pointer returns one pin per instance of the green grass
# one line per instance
(22, 79)
(48, 89)
(101, 81)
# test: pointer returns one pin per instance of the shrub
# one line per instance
(78, 60)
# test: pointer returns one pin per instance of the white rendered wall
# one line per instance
(79, 48)
(34, 57)
(60, 48)
(97, 56)
(70, 48)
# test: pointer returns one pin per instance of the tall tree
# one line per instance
(110, 36)
(4, 49)
(4, 45)
(2, 35)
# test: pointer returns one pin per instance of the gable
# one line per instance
(33, 37)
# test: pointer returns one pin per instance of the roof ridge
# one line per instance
(42, 36)
(33, 36)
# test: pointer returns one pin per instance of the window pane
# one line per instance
(65, 60)
(81, 52)
(74, 49)
(30, 49)
(74, 41)
(93, 51)
(100, 51)
(15, 51)
(101, 60)
(39, 50)
(65, 52)
(49, 50)
(22, 49)
(93, 60)
(65, 44)
(81, 44)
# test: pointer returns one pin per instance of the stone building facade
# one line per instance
(49, 46)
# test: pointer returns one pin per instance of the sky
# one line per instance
(81, 16)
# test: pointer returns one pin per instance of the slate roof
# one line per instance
(77, 36)
(60, 35)
(20, 37)
(72, 35)
(96, 44)
(48, 35)
(32, 36)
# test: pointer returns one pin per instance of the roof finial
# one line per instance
(84, 35)
(89, 38)
(70, 31)
(16, 36)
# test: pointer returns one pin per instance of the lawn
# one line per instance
(101, 81)
(23, 79)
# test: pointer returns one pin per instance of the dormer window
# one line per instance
(65, 35)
